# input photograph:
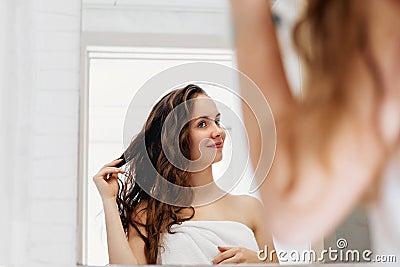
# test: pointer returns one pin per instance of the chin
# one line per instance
(217, 159)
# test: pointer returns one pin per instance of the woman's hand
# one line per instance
(235, 255)
(106, 180)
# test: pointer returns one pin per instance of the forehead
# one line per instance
(204, 106)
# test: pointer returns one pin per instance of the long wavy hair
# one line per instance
(147, 161)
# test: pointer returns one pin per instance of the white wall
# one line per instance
(39, 79)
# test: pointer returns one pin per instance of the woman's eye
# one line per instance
(202, 124)
(218, 122)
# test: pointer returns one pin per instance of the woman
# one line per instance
(143, 228)
(334, 143)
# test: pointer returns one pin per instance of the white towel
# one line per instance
(195, 242)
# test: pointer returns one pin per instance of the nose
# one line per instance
(217, 131)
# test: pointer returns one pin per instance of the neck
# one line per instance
(201, 178)
(205, 190)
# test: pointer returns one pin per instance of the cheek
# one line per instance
(196, 138)
(194, 142)
(194, 146)
(223, 134)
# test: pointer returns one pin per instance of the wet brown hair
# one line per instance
(146, 161)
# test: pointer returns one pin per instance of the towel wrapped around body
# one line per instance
(196, 242)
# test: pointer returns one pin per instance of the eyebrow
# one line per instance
(207, 117)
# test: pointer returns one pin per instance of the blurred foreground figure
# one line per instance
(339, 144)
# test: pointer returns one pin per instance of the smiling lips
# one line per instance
(216, 145)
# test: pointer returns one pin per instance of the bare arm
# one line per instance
(258, 52)
(259, 57)
(119, 249)
(263, 236)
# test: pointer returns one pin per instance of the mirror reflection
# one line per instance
(124, 45)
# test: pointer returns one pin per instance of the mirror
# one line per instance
(125, 43)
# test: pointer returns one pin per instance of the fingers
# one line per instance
(222, 249)
(106, 181)
(234, 259)
(112, 176)
(226, 254)
(113, 163)
(107, 171)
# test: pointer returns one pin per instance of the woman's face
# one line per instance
(205, 132)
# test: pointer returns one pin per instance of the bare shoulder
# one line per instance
(248, 209)
(246, 202)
